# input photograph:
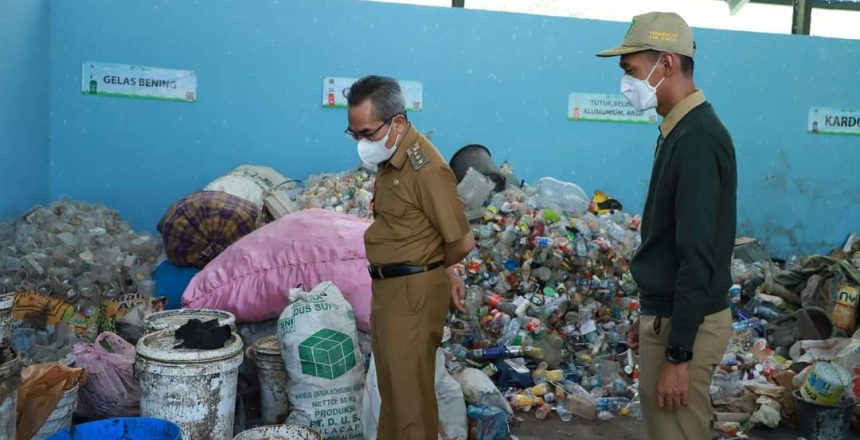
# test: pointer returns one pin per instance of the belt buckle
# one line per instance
(376, 270)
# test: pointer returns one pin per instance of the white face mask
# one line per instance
(639, 92)
(373, 153)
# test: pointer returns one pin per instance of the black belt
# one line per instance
(400, 270)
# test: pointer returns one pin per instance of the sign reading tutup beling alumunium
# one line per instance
(823, 120)
(606, 107)
(104, 79)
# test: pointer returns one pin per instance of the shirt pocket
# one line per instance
(390, 203)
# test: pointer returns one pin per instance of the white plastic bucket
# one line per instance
(61, 416)
(274, 403)
(196, 389)
(177, 318)
(7, 300)
(279, 432)
(10, 379)
(825, 383)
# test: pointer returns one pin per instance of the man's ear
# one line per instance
(671, 64)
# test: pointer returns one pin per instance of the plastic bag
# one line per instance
(252, 278)
(559, 195)
(487, 423)
(319, 346)
(478, 389)
(111, 390)
(42, 387)
(449, 400)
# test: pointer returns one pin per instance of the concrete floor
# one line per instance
(619, 428)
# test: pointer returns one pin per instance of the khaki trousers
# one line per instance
(692, 422)
(407, 318)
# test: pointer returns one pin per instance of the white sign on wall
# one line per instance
(824, 120)
(606, 107)
(105, 79)
(335, 91)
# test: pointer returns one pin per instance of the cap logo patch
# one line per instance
(663, 36)
(632, 25)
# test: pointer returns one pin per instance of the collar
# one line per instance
(681, 109)
(407, 140)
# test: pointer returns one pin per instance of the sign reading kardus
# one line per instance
(823, 120)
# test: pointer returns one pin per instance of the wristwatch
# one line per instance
(678, 355)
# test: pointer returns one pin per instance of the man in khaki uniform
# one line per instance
(682, 268)
(419, 233)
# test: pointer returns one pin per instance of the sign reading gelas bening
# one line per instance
(105, 79)
(606, 107)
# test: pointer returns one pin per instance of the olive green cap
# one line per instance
(660, 31)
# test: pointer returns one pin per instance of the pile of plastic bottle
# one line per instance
(76, 251)
(548, 292)
(548, 303)
(73, 254)
(349, 192)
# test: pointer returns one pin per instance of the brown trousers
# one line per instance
(692, 422)
(407, 317)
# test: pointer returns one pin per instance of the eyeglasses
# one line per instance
(364, 134)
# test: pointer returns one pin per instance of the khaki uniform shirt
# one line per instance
(416, 208)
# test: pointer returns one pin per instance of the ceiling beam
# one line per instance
(801, 20)
(847, 5)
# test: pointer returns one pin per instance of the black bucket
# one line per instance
(818, 422)
(477, 157)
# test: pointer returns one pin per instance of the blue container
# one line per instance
(126, 428)
(171, 281)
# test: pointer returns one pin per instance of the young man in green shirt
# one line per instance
(682, 268)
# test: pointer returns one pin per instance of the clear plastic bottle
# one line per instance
(612, 404)
(459, 351)
(473, 299)
(604, 415)
(563, 414)
(542, 411)
(510, 332)
(634, 409)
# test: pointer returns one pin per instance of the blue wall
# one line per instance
(23, 105)
(492, 78)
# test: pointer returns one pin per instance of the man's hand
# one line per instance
(672, 385)
(633, 337)
(458, 289)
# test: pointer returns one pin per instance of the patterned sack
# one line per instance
(197, 228)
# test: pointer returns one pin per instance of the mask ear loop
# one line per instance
(648, 78)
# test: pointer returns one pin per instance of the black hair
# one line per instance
(687, 63)
(384, 94)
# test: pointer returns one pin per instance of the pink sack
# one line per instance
(111, 389)
(253, 277)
